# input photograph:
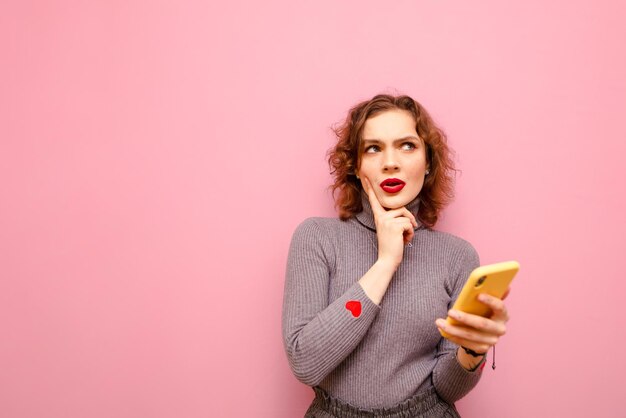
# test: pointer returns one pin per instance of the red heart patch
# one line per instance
(354, 306)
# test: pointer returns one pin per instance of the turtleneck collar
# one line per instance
(366, 216)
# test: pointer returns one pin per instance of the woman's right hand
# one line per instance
(394, 228)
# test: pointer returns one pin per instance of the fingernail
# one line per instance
(454, 314)
(483, 298)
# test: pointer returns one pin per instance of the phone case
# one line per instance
(493, 279)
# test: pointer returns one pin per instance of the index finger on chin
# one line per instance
(376, 206)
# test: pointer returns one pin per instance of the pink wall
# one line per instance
(155, 158)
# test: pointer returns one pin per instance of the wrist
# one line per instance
(472, 352)
(469, 362)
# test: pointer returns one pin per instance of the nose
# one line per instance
(390, 162)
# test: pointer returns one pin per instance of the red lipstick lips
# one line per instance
(392, 185)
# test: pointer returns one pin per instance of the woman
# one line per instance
(366, 293)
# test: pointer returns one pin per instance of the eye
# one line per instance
(371, 149)
(408, 146)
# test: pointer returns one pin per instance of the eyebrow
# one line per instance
(395, 141)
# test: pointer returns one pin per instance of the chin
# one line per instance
(396, 202)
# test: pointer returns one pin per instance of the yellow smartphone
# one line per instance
(493, 279)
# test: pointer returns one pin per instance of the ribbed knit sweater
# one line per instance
(388, 352)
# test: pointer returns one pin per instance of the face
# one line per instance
(393, 157)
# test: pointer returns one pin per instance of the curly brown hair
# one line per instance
(344, 158)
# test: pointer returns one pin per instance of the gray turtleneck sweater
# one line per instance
(386, 353)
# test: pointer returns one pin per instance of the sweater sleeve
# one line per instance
(451, 380)
(319, 334)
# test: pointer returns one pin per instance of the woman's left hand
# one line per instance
(478, 333)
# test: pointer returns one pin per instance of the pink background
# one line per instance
(155, 158)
